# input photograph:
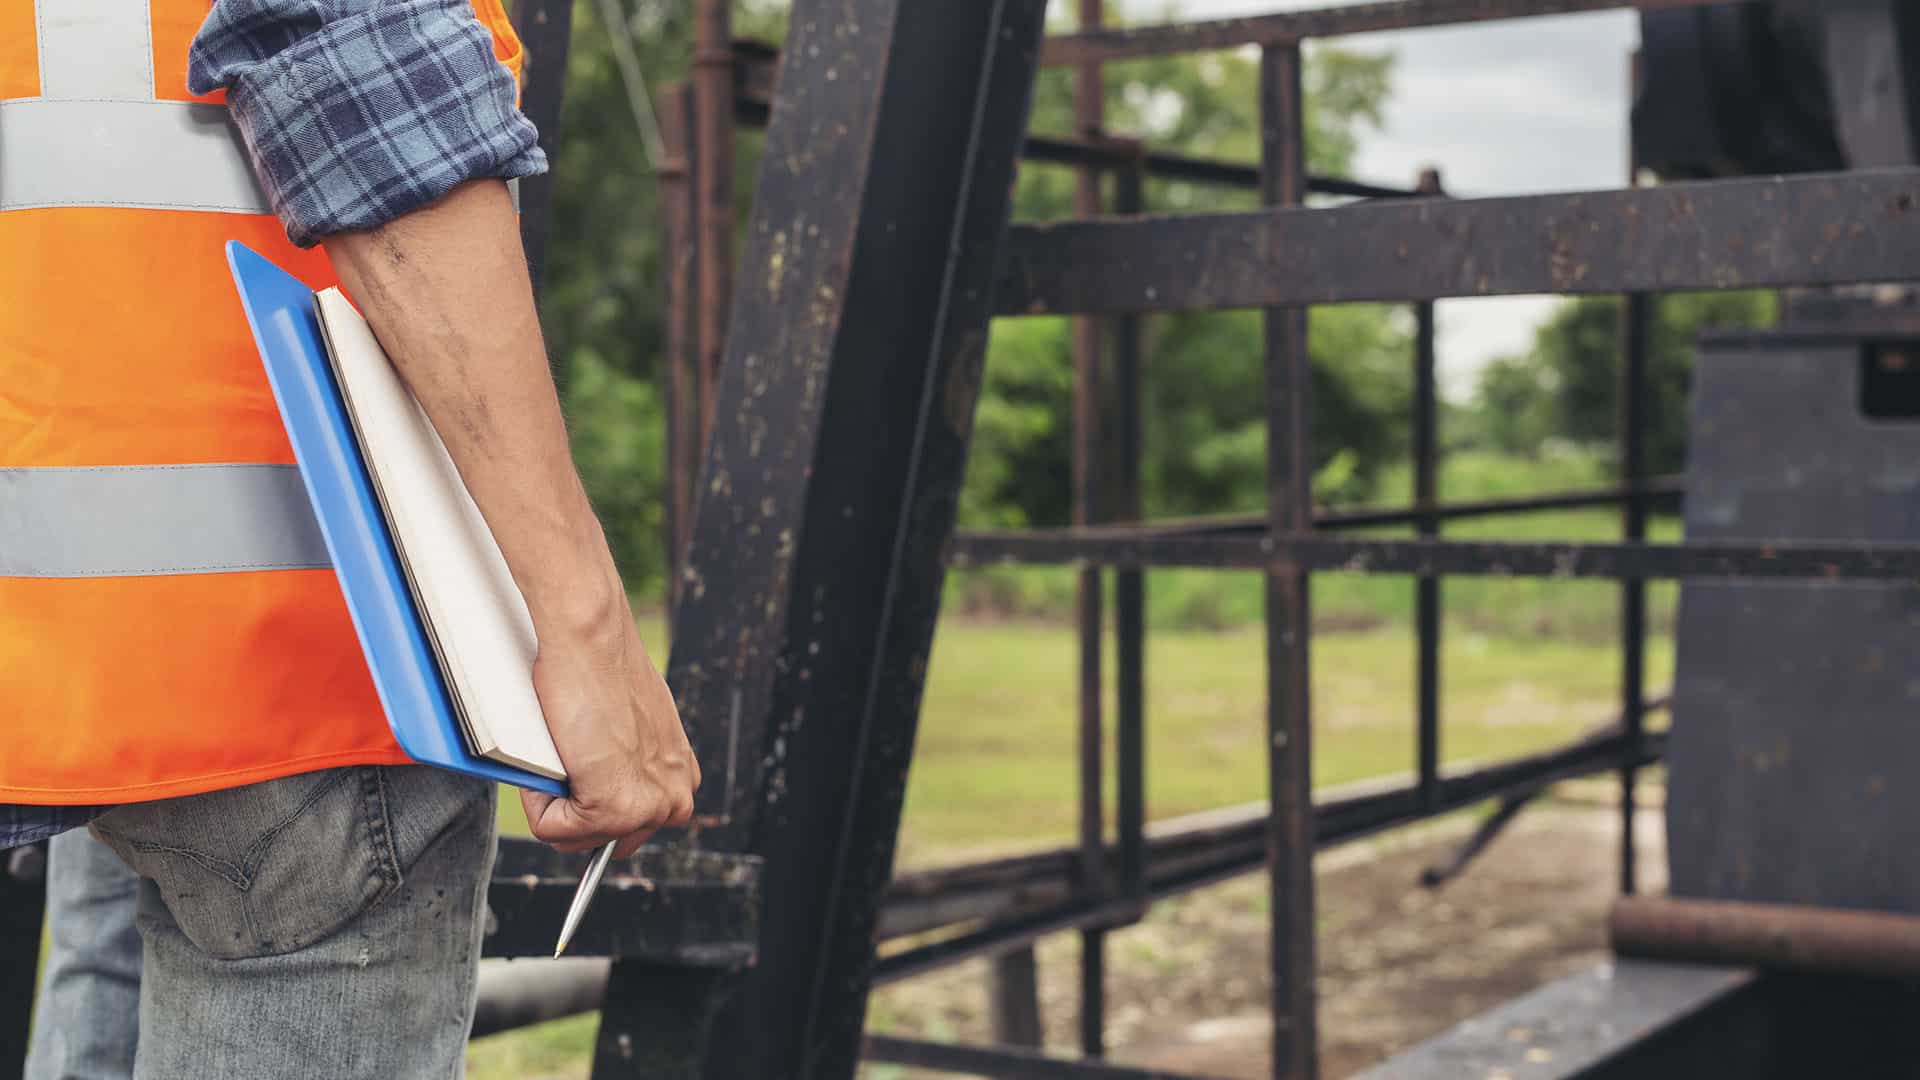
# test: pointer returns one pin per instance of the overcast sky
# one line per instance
(1513, 107)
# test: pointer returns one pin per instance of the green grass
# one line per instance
(994, 768)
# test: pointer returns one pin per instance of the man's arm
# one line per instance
(445, 288)
(383, 130)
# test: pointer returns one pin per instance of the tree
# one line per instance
(1567, 386)
(1204, 393)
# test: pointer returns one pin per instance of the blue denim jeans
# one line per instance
(326, 924)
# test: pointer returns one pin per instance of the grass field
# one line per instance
(994, 769)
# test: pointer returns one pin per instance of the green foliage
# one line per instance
(1567, 386)
(1204, 382)
(1203, 392)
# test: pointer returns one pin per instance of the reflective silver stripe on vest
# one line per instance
(156, 519)
(95, 48)
(167, 155)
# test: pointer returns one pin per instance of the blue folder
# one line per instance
(280, 309)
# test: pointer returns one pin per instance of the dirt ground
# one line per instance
(1398, 963)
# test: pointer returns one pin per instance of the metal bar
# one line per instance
(1450, 557)
(1089, 100)
(655, 1023)
(845, 409)
(1426, 493)
(1129, 585)
(1110, 152)
(517, 994)
(1480, 839)
(1781, 937)
(23, 900)
(1664, 493)
(1814, 229)
(1240, 846)
(1635, 326)
(545, 28)
(680, 355)
(1001, 1062)
(1295, 26)
(713, 190)
(1013, 993)
(1289, 612)
(1636, 322)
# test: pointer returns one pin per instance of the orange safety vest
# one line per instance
(169, 623)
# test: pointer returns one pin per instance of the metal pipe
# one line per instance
(520, 993)
(1290, 837)
(1828, 941)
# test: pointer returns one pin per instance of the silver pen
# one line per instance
(583, 896)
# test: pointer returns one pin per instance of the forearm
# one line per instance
(445, 288)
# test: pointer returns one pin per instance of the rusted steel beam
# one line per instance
(1662, 492)
(1781, 937)
(854, 361)
(1124, 547)
(1292, 27)
(1089, 112)
(1816, 229)
(713, 68)
(680, 357)
(697, 909)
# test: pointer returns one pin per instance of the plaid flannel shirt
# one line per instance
(354, 112)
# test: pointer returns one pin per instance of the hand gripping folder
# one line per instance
(393, 635)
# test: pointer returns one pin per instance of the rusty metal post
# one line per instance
(1426, 493)
(1290, 839)
(845, 410)
(1013, 997)
(1636, 315)
(713, 188)
(1088, 111)
(679, 255)
(545, 27)
(1129, 585)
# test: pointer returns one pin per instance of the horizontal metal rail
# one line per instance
(1130, 548)
(1006, 1063)
(1780, 937)
(1664, 493)
(1816, 229)
(752, 106)
(1227, 849)
(1286, 28)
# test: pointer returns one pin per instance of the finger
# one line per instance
(560, 823)
(682, 812)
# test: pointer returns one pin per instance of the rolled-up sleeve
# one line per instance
(358, 111)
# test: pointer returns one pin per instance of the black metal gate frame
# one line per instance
(1396, 245)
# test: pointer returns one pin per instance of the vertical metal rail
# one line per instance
(679, 258)
(1289, 512)
(1013, 998)
(845, 411)
(713, 186)
(1635, 315)
(1088, 110)
(23, 901)
(1129, 585)
(1426, 493)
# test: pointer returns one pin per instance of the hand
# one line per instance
(629, 768)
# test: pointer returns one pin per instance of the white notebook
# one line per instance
(475, 617)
